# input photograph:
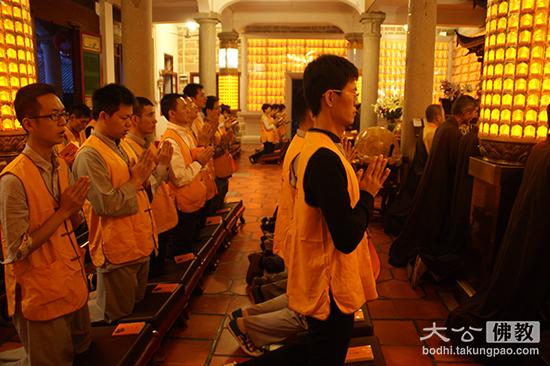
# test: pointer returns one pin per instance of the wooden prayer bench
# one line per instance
(108, 349)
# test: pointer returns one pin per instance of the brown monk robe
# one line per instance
(428, 223)
(517, 289)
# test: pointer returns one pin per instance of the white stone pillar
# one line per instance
(355, 49)
(207, 50)
(371, 58)
(107, 41)
(137, 47)
(419, 70)
(244, 74)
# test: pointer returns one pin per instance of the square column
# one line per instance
(372, 22)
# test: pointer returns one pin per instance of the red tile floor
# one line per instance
(399, 315)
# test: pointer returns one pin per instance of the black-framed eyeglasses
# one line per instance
(55, 116)
(339, 91)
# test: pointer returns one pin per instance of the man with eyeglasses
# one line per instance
(122, 231)
(186, 179)
(46, 284)
(330, 273)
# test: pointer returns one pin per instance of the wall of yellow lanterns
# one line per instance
(269, 59)
(466, 68)
(17, 62)
(516, 71)
(228, 89)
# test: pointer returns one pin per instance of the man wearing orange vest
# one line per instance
(79, 117)
(268, 134)
(204, 136)
(122, 231)
(330, 274)
(140, 138)
(46, 285)
(288, 176)
(186, 179)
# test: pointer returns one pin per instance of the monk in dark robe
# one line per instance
(447, 258)
(397, 213)
(428, 223)
(518, 288)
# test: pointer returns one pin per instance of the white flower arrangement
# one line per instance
(389, 107)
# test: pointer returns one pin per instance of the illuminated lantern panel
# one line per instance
(228, 86)
(467, 68)
(17, 64)
(269, 59)
(516, 75)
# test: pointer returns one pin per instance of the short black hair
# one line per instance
(265, 106)
(210, 101)
(191, 90)
(325, 73)
(299, 108)
(81, 110)
(168, 103)
(140, 103)
(225, 108)
(109, 98)
(462, 103)
(25, 102)
(432, 111)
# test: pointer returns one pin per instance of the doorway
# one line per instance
(58, 59)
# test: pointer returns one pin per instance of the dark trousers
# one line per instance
(156, 263)
(205, 211)
(326, 344)
(219, 199)
(186, 232)
(269, 147)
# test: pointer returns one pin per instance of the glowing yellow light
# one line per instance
(527, 5)
(507, 100)
(526, 21)
(529, 131)
(16, 56)
(504, 130)
(497, 85)
(517, 116)
(487, 114)
(542, 132)
(531, 116)
(519, 100)
(534, 85)
(495, 116)
(521, 85)
(506, 116)
(514, 5)
(511, 53)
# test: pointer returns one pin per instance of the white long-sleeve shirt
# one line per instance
(180, 173)
(267, 122)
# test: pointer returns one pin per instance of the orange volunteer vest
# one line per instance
(190, 197)
(315, 267)
(123, 239)
(208, 175)
(265, 134)
(286, 197)
(51, 279)
(223, 164)
(164, 204)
